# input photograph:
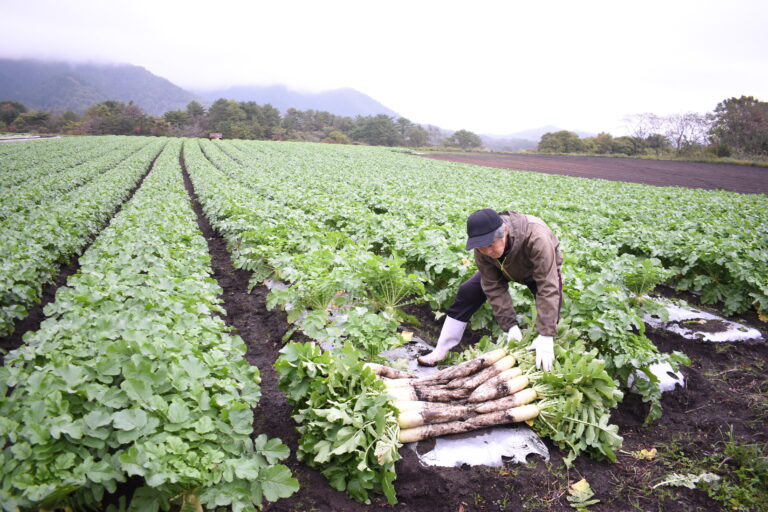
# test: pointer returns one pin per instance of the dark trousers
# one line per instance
(471, 297)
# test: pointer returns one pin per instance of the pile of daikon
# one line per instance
(498, 383)
(485, 391)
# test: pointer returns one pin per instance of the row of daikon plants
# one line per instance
(134, 374)
(24, 162)
(46, 220)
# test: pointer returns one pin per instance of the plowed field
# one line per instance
(735, 178)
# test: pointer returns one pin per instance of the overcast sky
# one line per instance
(486, 66)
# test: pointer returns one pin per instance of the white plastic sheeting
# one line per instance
(668, 378)
(694, 324)
(486, 447)
(405, 355)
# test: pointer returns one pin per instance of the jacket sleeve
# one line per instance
(496, 288)
(545, 256)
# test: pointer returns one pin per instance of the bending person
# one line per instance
(508, 246)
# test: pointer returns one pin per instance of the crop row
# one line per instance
(42, 158)
(134, 374)
(45, 188)
(37, 241)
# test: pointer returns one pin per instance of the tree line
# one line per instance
(233, 120)
(738, 127)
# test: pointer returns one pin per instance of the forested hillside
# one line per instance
(61, 86)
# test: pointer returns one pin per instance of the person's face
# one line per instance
(496, 249)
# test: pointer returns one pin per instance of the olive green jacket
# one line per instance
(534, 256)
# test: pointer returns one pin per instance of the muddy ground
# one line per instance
(735, 178)
(726, 393)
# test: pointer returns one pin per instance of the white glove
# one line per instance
(545, 352)
(515, 334)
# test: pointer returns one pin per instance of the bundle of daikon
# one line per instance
(487, 390)
(575, 397)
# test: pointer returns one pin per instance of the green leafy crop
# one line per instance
(347, 423)
(133, 374)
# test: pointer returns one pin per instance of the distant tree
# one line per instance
(309, 125)
(589, 145)
(60, 123)
(377, 130)
(251, 124)
(194, 109)
(242, 130)
(70, 117)
(741, 124)
(416, 136)
(10, 110)
(658, 143)
(34, 121)
(402, 126)
(629, 146)
(435, 135)
(179, 122)
(226, 117)
(108, 118)
(320, 120)
(269, 119)
(560, 142)
(177, 118)
(464, 139)
(686, 130)
(293, 120)
(337, 137)
(643, 125)
(279, 133)
(604, 143)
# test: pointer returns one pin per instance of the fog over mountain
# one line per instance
(342, 102)
(59, 86)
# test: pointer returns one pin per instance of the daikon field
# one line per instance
(190, 325)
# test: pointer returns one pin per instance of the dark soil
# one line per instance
(735, 178)
(704, 325)
(694, 420)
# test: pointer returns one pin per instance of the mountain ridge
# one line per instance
(59, 86)
(343, 101)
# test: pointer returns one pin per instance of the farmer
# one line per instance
(509, 246)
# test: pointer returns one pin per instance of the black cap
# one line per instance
(481, 228)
